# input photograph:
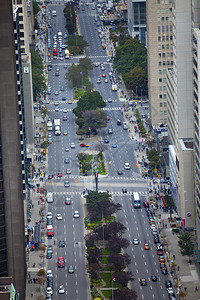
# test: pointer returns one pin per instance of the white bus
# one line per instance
(67, 54)
(136, 200)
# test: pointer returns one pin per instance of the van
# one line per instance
(49, 197)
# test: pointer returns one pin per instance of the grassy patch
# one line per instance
(104, 260)
(107, 293)
(80, 92)
(89, 158)
(108, 268)
(105, 251)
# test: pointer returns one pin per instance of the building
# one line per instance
(137, 19)
(159, 56)
(180, 112)
(12, 150)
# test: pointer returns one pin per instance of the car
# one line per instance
(106, 80)
(67, 201)
(56, 93)
(146, 204)
(49, 215)
(50, 284)
(159, 252)
(61, 262)
(49, 249)
(127, 166)
(64, 99)
(154, 278)
(106, 141)
(64, 118)
(76, 214)
(110, 131)
(61, 289)
(143, 282)
(98, 80)
(56, 103)
(66, 149)
(49, 140)
(119, 122)
(156, 239)
(66, 161)
(49, 274)
(83, 9)
(109, 100)
(70, 101)
(70, 270)
(57, 109)
(96, 64)
(119, 172)
(49, 290)
(168, 283)
(61, 243)
(68, 171)
(73, 145)
(65, 132)
(58, 216)
(164, 271)
(161, 258)
(62, 88)
(172, 296)
(66, 184)
(49, 255)
(151, 221)
(65, 66)
(153, 226)
(84, 145)
(135, 241)
(103, 75)
(170, 290)
(146, 246)
(124, 190)
(102, 68)
(59, 174)
(64, 110)
(162, 265)
(114, 145)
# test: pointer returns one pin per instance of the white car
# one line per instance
(59, 217)
(73, 145)
(49, 273)
(61, 289)
(66, 149)
(49, 215)
(153, 226)
(109, 100)
(76, 214)
(110, 131)
(135, 241)
(127, 166)
(49, 291)
(99, 80)
(65, 110)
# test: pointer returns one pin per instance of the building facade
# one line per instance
(137, 19)
(12, 151)
(159, 56)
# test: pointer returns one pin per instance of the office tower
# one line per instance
(180, 112)
(12, 151)
(159, 56)
(137, 19)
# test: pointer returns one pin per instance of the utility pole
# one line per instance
(96, 179)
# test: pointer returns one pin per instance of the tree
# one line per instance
(185, 243)
(124, 277)
(89, 101)
(135, 78)
(117, 244)
(100, 147)
(154, 158)
(94, 119)
(73, 74)
(85, 65)
(94, 254)
(36, 8)
(119, 262)
(125, 293)
(70, 16)
(76, 44)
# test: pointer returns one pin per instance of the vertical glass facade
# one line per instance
(3, 256)
(139, 13)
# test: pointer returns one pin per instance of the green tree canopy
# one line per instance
(89, 101)
(37, 74)
(135, 78)
(76, 44)
(185, 243)
(76, 73)
(154, 158)
(70, 16)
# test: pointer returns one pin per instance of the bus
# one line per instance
(136, 200)
(67, 54)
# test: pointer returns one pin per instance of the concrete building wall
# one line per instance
(160, 56)
(11, 151)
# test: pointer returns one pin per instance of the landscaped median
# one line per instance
(104, 243)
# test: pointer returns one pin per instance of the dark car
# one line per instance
(64, 118)
(50, 176)
(154, 278)
(106, 141)
(168, 284)
(119, 122)
(49, 221)
(49, 256)
(119, 172)
(66, 160)
(63, 98)
(62, 243)
(124, 190)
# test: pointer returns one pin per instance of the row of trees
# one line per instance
(76, 44)
(100, 207)
(37, 74)
(131, 62)
(70, 16)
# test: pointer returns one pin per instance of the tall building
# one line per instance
(180, 112)
(137, 19)
(12, 150)
(159, 56)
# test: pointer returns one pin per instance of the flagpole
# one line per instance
(112, 287)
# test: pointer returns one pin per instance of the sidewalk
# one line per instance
(186, 276)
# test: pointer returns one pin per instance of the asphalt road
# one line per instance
(143, 263)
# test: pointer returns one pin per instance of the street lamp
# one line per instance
(96, 179)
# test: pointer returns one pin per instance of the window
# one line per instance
(171, 28)
(161, 112)
(165, 112)
(160, 96)
(159, 38)
(167, 38)
(167, 19)
(165, 96)
(158, 29)
(164, 88)
(160, 104)
(158, 1)
(163, 54)
(158, 19)
(163, 19)
(160, 72)
(166, 10)
(163, 28)
(172, 63)
(163, 46)
(159, 47)
(159, 54)
(163, 10)
(167, 46)
(167, 28)
(166, 1)
(164, 71)
(158, 10)
(165, 103)
(162, 1)
(172, 54)
(160, 63)
(160, 79)
(163, 38)
(163, 64)
(164, 79)
(160, 88)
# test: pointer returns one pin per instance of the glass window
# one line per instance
(160, 63)
(163, 46)
(166, 1)
(163, 38)
(172, 54)
(159, 47)
(160, 96)
(163, 28)
(164, 79)
(158, 10)
(160, 72)
(163, 64)
(158, 1)
(165, 96)
(160, 79)
(167, 19)
(164, 71)
(159, 54)
(171, 28)
(160, 88)
(165, 112)
(160, 104)
(162, 1)
(159, 38)
(158, 29)
(167, 38)
(164, 88)
(163, 19)
(161, 112)
(167, 46)
(163, 10)
(165, 104)
(163, 54)
(167, 28)
(158, 19)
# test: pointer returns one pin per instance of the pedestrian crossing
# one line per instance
(101, 178)
(112, 108)
(117, 193)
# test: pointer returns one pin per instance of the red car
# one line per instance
(146, 204)
(68, 201)
(61, 262)
(84, 145)
(83, 9)
(59, 174)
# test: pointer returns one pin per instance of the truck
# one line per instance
(114, 87)
(67, 54)
(57, 127)
(49, 125)
(50, 232)
(136, 200)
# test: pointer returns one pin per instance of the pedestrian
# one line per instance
(174, 257)
(32, 204)
(196, 289)
(166, 227)
(29, 275)
(38, 202)
(31, 294)
(185, 288)
(178, 268)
